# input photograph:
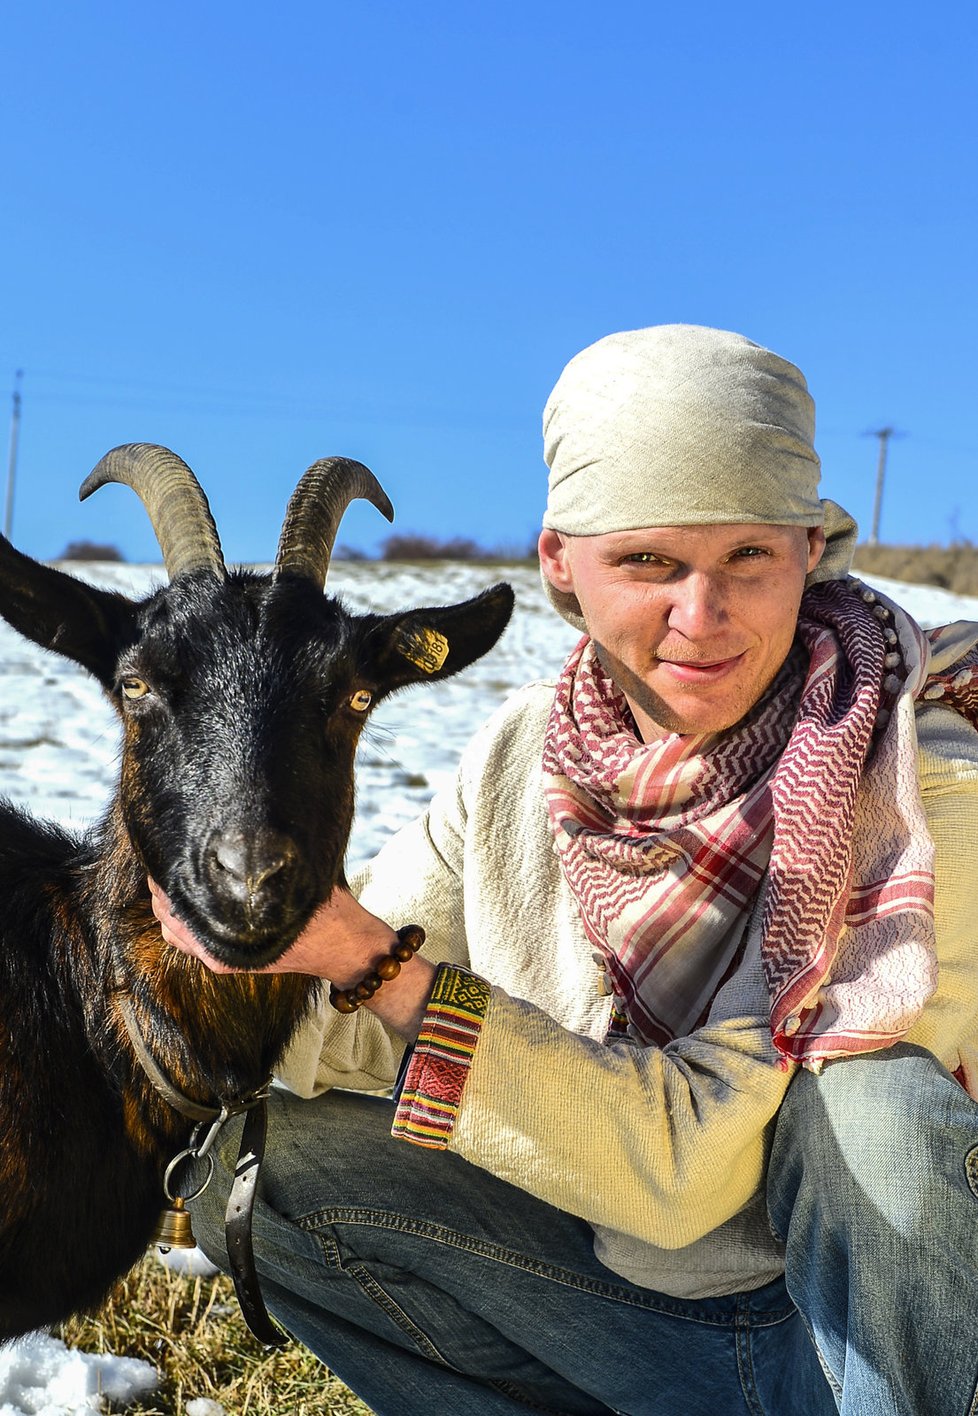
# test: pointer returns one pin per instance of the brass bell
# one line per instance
(173, 1229)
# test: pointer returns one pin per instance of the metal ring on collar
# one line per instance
(181, 1156)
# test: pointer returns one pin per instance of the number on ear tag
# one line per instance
(426, 649)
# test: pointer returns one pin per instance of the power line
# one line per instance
(352, 402)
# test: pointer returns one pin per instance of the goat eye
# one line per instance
(134, 688)
(361, 700)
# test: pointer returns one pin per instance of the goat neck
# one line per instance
(215, 1036)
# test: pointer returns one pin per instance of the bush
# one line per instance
(90, 551)
(409, 546)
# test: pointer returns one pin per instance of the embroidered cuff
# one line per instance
(439, 1065)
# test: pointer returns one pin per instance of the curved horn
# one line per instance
(171, 494)
(313, 515)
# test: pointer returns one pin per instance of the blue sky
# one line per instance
(261, 236)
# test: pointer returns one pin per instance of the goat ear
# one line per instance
(439, 641)
(63, 614)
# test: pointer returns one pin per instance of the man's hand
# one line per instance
(341, 943)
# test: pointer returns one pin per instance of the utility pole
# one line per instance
(884, 435)
(8, 520)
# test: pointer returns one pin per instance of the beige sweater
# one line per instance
(662, 1151)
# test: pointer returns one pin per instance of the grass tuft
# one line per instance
(191, 1330)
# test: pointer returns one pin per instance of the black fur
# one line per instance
(245, 737)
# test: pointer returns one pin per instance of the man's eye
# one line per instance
(751, 552)
(645, 558)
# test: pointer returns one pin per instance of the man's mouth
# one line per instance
(694, 671)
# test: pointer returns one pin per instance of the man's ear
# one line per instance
(816, 546)
(554, 560)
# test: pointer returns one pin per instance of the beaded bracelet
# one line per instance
(410, 937)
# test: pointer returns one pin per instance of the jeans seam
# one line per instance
(379, 1296)
(331, 1250)
(745, 1362)
(375, 1291)
(439, 1234)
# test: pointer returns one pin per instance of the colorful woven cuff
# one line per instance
(439, 1066)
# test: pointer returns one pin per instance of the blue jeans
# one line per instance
(430, 1286)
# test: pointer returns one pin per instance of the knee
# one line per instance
(888, 1135)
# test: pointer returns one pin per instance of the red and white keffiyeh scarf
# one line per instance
(665, 844)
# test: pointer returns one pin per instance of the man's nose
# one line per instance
(697, 610)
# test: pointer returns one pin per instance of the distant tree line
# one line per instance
(416, 546)
(953, 567)
(405, 546)
(90, 551)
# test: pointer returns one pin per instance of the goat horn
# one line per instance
(314, 512)
(174, 499)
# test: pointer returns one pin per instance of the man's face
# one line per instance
(692, 622)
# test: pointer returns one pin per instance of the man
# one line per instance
(680, 1062)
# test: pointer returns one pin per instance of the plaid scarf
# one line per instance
(666, 844)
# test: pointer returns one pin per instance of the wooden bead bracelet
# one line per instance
(410, 937)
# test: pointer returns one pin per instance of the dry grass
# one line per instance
(193, 1333)
(950, 567)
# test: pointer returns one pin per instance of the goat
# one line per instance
(242, 697)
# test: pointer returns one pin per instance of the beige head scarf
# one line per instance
(680, 425)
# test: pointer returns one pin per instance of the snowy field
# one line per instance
(59, 737)
(58, 755)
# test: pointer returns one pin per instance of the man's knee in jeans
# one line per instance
(884, 1137)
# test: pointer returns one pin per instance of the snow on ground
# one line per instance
(58, 752)
(926, 604)
(59, 738)
(42, 1377)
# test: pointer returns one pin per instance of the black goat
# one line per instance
(242, 697)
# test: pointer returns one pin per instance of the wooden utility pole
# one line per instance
(8, 520)
(884, 435)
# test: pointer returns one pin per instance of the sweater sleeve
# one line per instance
(948, 1026)
(663, 1145)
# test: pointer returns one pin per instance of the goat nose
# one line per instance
(241, 864)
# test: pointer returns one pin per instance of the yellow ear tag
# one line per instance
(426, 649)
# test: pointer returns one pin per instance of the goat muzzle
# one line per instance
(247, 893)
(252, 871)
